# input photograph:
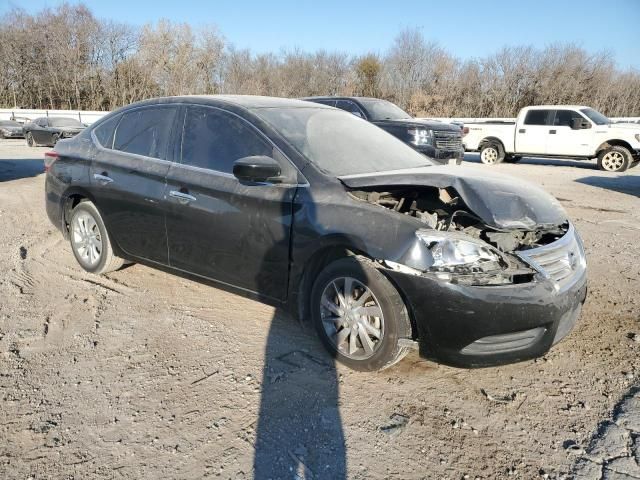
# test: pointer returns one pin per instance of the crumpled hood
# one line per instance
(501, 201)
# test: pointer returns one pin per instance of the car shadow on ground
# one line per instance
(590, 165)
(23, 168)
(629, 184)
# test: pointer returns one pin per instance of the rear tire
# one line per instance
(386, 320)
(90, 241)
(614, 159)
(30, 141)
(492, 153)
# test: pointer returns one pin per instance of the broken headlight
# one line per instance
(421, 136)
(457, 253)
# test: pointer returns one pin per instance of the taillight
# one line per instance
(49, 158)
(465, 130)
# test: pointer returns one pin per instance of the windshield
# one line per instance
(340, 143)
(9, 123)
(64, 122)
(383, 110)
(596, 117)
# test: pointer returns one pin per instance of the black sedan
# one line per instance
(10, 129)
(48, 130)
(311, 208)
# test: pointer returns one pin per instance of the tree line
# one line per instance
(66, 58)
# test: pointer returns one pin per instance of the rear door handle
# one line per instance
(102, 179)
(552, 132)
(182, 197)
(522, 130)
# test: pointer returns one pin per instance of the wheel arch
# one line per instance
(69, 200)
(490, 140)
(613, 143)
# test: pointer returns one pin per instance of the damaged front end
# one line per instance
(458, 246)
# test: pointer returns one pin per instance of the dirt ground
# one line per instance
(142, 374)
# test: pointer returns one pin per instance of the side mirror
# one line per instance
(579, 124)
(259, 168)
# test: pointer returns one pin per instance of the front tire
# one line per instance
(90, 241)
(492, 153)
(30, 141)
(359, 315)
(614, 159)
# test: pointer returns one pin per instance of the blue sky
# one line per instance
(466, 28)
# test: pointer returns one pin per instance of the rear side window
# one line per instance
(104, 132)
(537, 117)
(564, 118)
(215, 139)
(145, 131)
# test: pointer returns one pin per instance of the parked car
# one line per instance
(309, 208)
(48, 130)
(560, 131)
(10, 129)
(437, 140)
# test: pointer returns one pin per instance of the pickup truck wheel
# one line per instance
(491, 154)
(359, 315)
(614, 159)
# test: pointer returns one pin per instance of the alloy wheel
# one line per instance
(86, 238)
(352, 318)
(613, 161)
(489, 155)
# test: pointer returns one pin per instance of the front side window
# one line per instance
(350, 107)
(215, 139)
(564, 118)
(145, 131)
(537, 117)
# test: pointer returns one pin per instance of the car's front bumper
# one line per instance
(477, 326)
(440, 155)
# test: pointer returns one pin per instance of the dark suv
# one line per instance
(437, 140)
(307, 207)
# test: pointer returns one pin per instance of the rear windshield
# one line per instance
(383, 110)
(64, 122)
(340, 143)
(595, 116)
(9, 123)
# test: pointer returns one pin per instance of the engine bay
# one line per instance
(443, 209)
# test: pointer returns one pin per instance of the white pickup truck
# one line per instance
(562, 131)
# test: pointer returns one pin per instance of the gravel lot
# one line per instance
(142, 374)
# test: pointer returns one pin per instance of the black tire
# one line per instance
(512, 158)
(54, 139)
(30, 141)
(492, 153)
(2, 135)
(396, 318)
(614, 159)
(107, 261)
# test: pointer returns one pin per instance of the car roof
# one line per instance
(340, 97)
(244, 101)
(555, 107)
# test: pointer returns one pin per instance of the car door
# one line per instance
(532, 135)
(218, 227)
(128, 178)
(563, 140)
(40, 132)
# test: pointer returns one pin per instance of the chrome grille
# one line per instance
(448, 140)
(560, 260)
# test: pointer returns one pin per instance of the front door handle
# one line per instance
(182, 197)
(522, 130)
(102, 179)
(552, 132)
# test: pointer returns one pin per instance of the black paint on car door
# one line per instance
(128, 179)
(40, 131)
(218, 227)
